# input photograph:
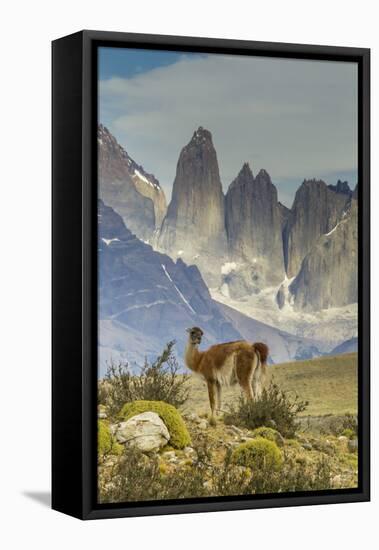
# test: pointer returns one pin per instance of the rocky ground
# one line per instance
(308, 446)
(317, 439)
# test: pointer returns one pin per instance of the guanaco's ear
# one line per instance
(188, 330)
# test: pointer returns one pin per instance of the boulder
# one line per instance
(352, 445)
(203, 424)
(146, 431)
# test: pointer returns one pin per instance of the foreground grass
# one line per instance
(320, 454)
(329, 384)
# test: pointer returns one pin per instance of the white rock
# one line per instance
(188, 451)
(203, 425)
(235, 430)
(352, 445)
(192, 417)
(169, 454)
(146, 431)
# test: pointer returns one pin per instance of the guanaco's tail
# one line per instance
(263, 352)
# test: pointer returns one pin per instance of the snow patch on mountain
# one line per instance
(228, 267)
(177, 290)
(330, 327)
(109, 241)
(138, 174)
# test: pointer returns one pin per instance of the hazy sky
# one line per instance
(295, 118)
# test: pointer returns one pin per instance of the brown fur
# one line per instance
(227, 363)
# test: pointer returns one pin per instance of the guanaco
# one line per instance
(229, 363)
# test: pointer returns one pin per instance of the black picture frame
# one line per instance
(74, 315)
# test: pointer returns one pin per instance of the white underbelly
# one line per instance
(226, 373)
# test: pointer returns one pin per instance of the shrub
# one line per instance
(137, 477)
(179, 436)
(159, 381)
(273, 407)
(106, 443)
(350, 422)
(230, 479)
(268, 433)
(257, 454)
(349, 433)
(293, 443)
(133, 477)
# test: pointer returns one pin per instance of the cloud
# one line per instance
(295, 118)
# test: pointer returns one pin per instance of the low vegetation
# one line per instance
(268, 433)
(106, 443)
(257, 454)
(329, 384)
(158, 381)
(274, 407)
(277, 444)
(140, 477)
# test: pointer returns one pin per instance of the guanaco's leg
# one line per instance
(212, 399)
(257, 382)
(249, 391)
(218, 395)
(244, 370)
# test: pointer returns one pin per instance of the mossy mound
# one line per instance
(179, 436)
(349, 433)
(258, 453)
(106, 443)
(268, 433)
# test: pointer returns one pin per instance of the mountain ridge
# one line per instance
(146, 299)
(244, 241)
(124, 184)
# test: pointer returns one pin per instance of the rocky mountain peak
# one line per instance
(254, 229)
(328, 276)
(246, 171)
(201, 136)
(316, 211)
(263, 175)
(245, 176)
(134, 193)
(105, 138)
(195, 223)
(341, 187)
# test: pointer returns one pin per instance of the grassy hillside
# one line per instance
(328, 383)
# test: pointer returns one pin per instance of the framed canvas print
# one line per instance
(210, 274)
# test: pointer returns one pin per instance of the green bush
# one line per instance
(159, 381)
(106, 443)
(349, 433)
(268, 433)
(257, 454)
(274, 407)
(350, 422)
(179, 436)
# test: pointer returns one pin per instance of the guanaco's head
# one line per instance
(195, 335)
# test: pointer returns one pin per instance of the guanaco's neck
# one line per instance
(192, 357)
